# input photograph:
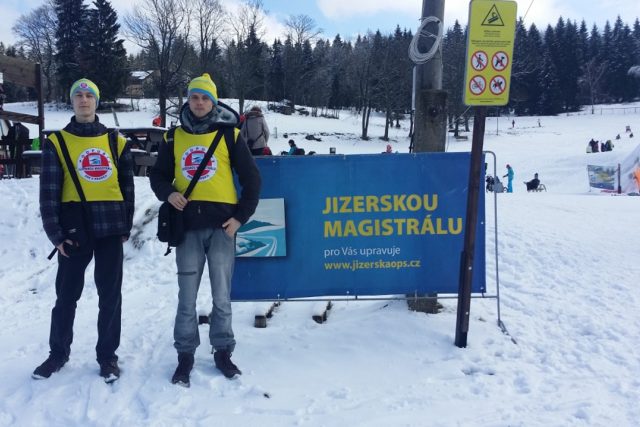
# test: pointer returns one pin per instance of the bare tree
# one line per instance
(243, 50)
(161, 28)
(593, 71)
(210, 17)
(302, 28)
(36, 32)
(250, 14)
(362, 69)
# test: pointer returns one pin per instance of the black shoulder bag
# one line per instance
(75, 218)
(170, 219)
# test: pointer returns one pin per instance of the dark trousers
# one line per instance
(69, 285)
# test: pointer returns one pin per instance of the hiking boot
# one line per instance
(110, 371)
(48, 367)
(181, 375)
(223, 362)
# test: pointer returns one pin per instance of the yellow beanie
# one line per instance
(204, 85)
(85, 84)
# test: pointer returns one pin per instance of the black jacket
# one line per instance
(108, 218)
(202, 214)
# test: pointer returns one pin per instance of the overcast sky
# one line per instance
(350, 17)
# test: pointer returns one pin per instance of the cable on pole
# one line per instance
(527, 12)
(414, 53)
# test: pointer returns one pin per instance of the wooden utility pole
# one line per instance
(430, 127)
(430, 123)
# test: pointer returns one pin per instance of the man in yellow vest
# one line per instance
(81, 231)
(212, 215)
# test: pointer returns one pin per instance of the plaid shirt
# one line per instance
(109, 218)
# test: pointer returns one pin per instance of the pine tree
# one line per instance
(531, 80)
(518, 93)
(319, 87)
(71, 14)
(636, 36)
(255, 52)
(102, 55)
(453, 57)
(275, 79)
(621, 86)
(550, 100)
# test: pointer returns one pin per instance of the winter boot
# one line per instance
(48, 367)
(181, 375)
(110, 371)
(223, 362)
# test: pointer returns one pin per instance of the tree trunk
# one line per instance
(162, 101)
(366, 112)
(386, 125)
(411, 124)
(241, 103)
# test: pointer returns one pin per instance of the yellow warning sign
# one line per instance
(492, 27)
(493, 18)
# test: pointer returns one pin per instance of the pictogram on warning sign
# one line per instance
(499, 61)
(477, 85)
(497, 85)
(479, 60)
(493, 18)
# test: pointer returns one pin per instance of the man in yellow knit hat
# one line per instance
(212, 215)
(84, 230)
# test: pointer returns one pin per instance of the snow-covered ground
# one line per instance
(569, 268)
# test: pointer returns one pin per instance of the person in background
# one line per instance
(212, 215)
(388, 150)
(608, 145)
(157, 121)
(509, 175)
(107, 184)
(292, 147)
(533, 184)
(255, 131)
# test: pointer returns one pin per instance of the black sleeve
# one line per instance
(51, 178)
(162, 173)
(125, 179)
(249, 177)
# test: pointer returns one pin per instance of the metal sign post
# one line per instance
(490, 41)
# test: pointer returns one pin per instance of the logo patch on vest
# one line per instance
(94, 165)
(192, 158)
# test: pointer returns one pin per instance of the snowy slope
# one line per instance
(568, 269)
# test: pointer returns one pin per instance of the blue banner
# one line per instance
(365, 225)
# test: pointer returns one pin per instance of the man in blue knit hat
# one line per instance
(84, 230)
(212, 215)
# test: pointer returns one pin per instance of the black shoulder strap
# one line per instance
(170, 135)
(76, 182)
(70, 166)
(203, 163)
(230, 139)
(113, 144)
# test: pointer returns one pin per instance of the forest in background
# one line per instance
(559, 69)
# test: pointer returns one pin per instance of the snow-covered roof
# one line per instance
(141, 75)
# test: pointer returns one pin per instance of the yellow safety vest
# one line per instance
(94, 166)
(216, 182)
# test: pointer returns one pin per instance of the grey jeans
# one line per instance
(218, 249)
